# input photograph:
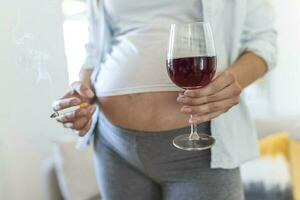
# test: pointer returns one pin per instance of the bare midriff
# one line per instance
(155, 111)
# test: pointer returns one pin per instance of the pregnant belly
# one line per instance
(154, 111)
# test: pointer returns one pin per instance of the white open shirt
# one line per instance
(238, 26)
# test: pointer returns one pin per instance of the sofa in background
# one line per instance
(275, 175)
(69, 174)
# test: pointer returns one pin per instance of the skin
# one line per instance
(160, 111)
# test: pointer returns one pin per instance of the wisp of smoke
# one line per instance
(30, 57)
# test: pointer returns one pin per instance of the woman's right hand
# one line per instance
(79, 120)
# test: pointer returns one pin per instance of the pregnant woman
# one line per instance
(141, 110)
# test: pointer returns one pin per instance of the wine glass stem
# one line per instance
(194, 135)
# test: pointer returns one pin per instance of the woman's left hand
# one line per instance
(212, 100)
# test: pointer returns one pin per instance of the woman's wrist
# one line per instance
(85, 79)
(248, 68)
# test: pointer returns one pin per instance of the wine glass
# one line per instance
(191, 64)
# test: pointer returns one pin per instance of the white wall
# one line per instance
(285, 79)
(33, 73)
(278, 95)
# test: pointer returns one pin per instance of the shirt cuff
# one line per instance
(267, 51)
(90, 63)
(85, 141)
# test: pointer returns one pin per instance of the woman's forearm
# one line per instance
(248, 68)
(85, 76)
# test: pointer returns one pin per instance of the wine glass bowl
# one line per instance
(192, 72)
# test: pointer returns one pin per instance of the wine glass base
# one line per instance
(204, 142)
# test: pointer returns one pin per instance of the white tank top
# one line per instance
(140, 29)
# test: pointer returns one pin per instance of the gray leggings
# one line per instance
(133, 165)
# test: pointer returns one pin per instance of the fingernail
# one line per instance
(181, 99)
(68, 125)
(188, 93)
(186, 109)
(68, 115)
(180, 95)
(58, 119)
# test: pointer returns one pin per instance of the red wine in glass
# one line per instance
(192, 72)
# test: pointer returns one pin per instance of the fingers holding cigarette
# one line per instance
(66, 103)
(83, 111)
(64, 106)
(79, 120)
(74, 109)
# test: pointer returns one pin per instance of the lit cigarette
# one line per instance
(70, 109)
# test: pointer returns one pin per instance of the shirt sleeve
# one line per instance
(93, 59)
(259, 34)
(92, 47)
(98, 46)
